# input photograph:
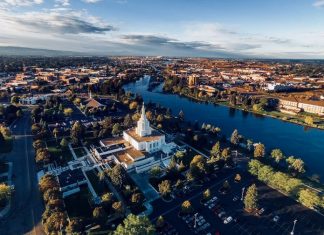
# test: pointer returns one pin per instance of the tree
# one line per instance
(75, 226)
(226, 185)
(156, 171)
(251, 198)
(15, 99)
(207, 194)
(5, 192)
(118, 208)
(56, 132)
(64, 143)
(296, 164)
(160, 118)
(160, 222)
(137, 199)
(216, 150)
(309, 120)
(128, 120)
(37, 144)
(107, 198)
(116, 129)
(77, 132)
(186, 207)
(237, 178)
(117, 175)
(226, 154)
(259, 150)
(198, 166)
(133, 105)
(99, 214)
(42, 156)
(47, 182)
(235, 139)
(51, 194)
(68, 112)
(165, 188)
(309, 198)
(55, 222)
(277, 155)
(135, 225)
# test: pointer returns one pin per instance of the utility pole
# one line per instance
(293, 229)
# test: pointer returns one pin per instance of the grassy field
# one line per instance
(79, 152)
(62, 156)
(77, 205)
(99, 187)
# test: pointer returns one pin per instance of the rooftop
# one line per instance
(154, 136)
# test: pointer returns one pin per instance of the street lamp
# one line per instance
(293, 229)
(242, 193)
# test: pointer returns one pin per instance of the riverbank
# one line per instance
(296, 119)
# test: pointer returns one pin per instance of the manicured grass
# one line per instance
(77, 205)
(99, 187)
(61, 156)
(79, 152)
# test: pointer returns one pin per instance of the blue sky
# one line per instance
(219, 28)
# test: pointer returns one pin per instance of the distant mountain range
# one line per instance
(25, 51)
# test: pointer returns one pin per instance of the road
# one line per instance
(26, 205)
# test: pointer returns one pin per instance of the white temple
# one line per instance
(142, 137)
(139, 148)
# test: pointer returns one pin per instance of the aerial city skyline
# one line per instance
(235, 29)
(161, 117)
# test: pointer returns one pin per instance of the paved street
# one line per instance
(26, 207)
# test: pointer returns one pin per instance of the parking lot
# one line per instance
(225, 215)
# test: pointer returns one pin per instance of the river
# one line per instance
(292, 139)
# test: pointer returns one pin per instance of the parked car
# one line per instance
(276, 218)
(228, 220)
(235, 198)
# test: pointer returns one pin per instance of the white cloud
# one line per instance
(20, 2)
(91, 1)
(319, 3)
(55, 21)
(62, 3)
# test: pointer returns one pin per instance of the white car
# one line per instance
(211, 206)
(228, 220)
(276, 218)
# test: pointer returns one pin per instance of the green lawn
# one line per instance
(61, 156)
(77, 205)
(79, 152)
(99, 187)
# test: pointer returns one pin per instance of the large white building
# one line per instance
(139, 149)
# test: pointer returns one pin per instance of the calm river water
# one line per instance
(292, 139)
